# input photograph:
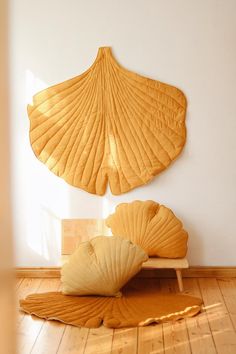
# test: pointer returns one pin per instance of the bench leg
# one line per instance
(180, 280)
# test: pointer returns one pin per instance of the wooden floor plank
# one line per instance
(219, 320)
(18, 281)
(73, 341)
(27, 286)
(228, 291)
(31, 326)
(175, 334)
(50, 336)
(125, 341)
(150, 339)
(199, 332)
(99, 341)
(176, 338)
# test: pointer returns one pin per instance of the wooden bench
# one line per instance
(165, 263)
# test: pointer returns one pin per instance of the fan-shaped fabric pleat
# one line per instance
(101, 266)
(108, 125)
(153, 227)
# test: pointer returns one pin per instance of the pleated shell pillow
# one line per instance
(152, 226)
(101, 266)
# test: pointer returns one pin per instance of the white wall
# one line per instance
(187, 43)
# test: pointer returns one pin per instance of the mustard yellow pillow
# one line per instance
(101, 266)
(152, 226)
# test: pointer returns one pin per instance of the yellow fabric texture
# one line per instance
(101, 266)
(108, 125)
(152, 226)
(142, 303)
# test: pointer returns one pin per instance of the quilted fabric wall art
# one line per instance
(108, 125)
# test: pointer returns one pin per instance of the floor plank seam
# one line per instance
(226, 306)
(85, 346)
(23, 314)
(189, 341)
(112, 340)
(137, 338)
(61, 339)
(213, 339)
(44, 322)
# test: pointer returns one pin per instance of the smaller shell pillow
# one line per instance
(101, 266)
(152, 226)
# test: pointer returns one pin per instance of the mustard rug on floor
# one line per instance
(140, 305)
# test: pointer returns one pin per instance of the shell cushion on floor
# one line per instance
(108, 125)
(101, 266)
(142, 303)
(152, 226)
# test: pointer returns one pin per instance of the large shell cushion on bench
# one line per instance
(101, 266)
(152, 226)
(107, 125)
(142, 303)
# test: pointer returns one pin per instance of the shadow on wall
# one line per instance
(51, 235)
(47, 246)
(196, 251)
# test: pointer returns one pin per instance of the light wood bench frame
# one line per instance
(165, 263)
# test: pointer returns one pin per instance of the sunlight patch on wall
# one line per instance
(105, 208)
(47, 198)
(32, 85)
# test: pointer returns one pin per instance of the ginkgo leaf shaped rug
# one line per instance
(107, 125)
(142, 303)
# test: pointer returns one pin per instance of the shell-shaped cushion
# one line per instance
(101, 266)
(108, 125)
(152, 226)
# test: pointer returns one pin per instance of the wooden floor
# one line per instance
(213, 331)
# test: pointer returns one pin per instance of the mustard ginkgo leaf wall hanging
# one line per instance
(108, 125)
